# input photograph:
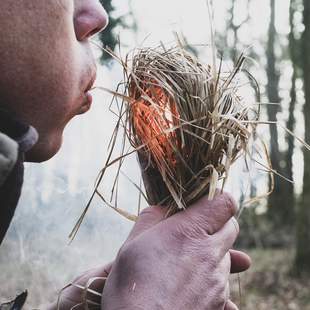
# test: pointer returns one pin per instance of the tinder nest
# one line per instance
(185, 119)
(187, 122)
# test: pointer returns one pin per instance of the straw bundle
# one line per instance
(187, 123)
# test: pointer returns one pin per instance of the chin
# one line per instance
(43, 151)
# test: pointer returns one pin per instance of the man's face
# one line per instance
(46, 64)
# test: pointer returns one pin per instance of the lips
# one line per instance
(87, 96)
(91, 82)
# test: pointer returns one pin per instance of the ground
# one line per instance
(269, 284)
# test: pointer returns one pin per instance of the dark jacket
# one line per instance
(15, 140)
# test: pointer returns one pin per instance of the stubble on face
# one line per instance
(42, 64)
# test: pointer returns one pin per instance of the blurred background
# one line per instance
(275, 35)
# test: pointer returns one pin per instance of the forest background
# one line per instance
(275, 34)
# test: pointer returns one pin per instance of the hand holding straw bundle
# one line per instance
(188, 124)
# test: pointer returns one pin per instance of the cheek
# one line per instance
(41, 66)
(40, 63)
(56, 97)
(59, 93)
(52, 91)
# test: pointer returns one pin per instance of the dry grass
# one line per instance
(186, 121)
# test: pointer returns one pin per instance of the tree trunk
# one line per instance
(281, 202)
(290, 125)
(303, 214)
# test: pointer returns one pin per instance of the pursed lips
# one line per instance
(92, 80)
(87, 97)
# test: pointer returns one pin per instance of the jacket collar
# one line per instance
(26, 136)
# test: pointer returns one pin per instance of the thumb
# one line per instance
(240, 261)
(148, 218)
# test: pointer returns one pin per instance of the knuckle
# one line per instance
(192, 231)
(229, 203)
(201, 221)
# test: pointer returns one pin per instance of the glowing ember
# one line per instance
(155, 118)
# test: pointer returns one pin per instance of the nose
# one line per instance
(90, 18)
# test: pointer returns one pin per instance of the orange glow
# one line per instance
(154, 119)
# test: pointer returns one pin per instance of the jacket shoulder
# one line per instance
(8, 156)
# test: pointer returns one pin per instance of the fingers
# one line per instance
(230, 306)
(240, 261)
(93, 279)
(147, 219)
(227, 235)
(210, 214)
(101, 271)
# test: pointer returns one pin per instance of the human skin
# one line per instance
(47, 64)
(181, 262)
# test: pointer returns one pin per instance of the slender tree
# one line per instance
(303, 213)
(293, 44)
(281, 202)
(293, 51)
